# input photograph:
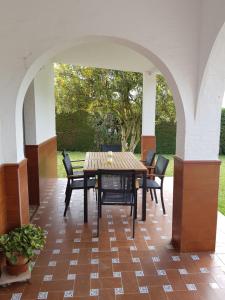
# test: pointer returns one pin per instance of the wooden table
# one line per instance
(119, 161)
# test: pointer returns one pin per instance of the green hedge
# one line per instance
(75, 133)
(165, 138)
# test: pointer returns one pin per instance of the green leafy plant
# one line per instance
(22, 241)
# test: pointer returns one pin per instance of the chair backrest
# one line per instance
(67, 164)
(113, 148)
(64, 153)
(116, 181)
(150, 157)
(161, 165)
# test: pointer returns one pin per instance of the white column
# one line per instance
(148, 106)
(29, 117)
(39, 108)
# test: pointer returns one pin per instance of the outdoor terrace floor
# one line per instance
(76, 265)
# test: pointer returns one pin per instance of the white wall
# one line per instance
(39, 108)
(176, 35)
(44, 104)
(30, 117)
(105, 54)
(211, 20)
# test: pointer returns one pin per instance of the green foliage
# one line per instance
(165, 108)
(74, 131)
(22, 241)
(107, 130)
(109, 96)
(96, 106)
(166, 137)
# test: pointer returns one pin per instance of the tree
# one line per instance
(113, 99)
(123, 104)
(165, 108)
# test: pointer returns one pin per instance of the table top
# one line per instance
(112, 161)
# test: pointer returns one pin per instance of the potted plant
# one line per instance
(18, 247)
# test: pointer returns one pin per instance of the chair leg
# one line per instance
(67, 187)
(100, 215)
(135, 212)
(162, 201)
(134, 215)
(99, 212)
(151, 194)
(131, 210)
(100, 207)
(135, 206)
(156, 199)
(96, 195)
(67, 200)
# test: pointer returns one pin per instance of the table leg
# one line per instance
(85, 199)
(144, 197)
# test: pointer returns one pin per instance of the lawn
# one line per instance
(169, 172)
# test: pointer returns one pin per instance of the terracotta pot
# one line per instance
(19, 267)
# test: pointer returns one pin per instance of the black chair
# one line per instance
(150, 158)
(116, 187)
(74, 182)
(71, 168)
(64, 154)
(152, 185)
(113, 148)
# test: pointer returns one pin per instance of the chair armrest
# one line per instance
(143, 161)
(150, 167)
(155, 175)
(77, 160)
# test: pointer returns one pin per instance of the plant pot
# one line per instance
(18, 268)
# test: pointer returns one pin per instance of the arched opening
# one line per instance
(77, 54)
(159, 64)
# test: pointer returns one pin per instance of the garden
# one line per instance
(96, 106)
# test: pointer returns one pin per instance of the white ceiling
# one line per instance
(105, 54)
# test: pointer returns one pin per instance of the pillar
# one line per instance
(148, 140)
(14, 199)
(16, 192)
(196, 179)
(195, 204)
(40, 136)
(14, 209)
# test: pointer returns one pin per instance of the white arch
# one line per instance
(213, 79)
(44, 59)
(210, 97)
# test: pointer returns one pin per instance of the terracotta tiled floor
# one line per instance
(76, 265)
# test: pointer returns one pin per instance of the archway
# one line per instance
(32, 71)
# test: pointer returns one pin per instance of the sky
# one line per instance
(223, 105)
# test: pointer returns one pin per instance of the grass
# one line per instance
(169, 172)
